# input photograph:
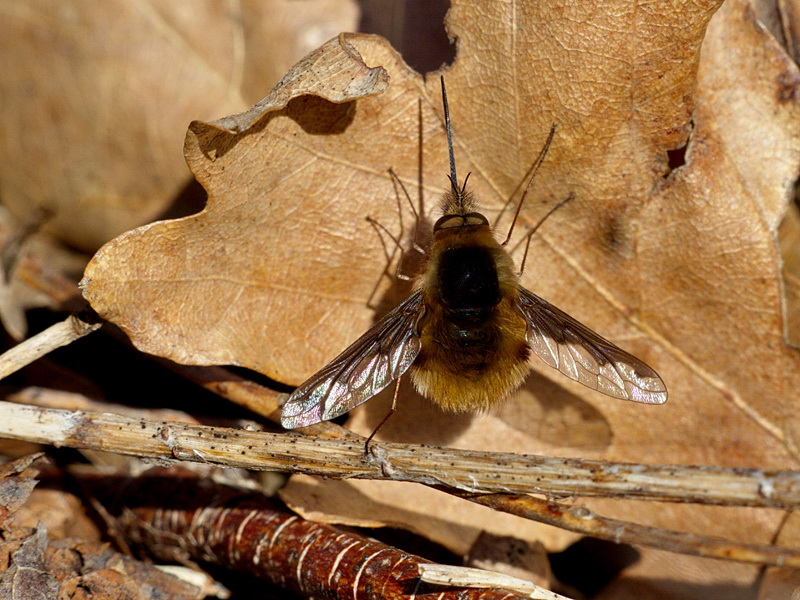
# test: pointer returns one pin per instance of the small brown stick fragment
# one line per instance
(250, 534)
(61, 334)
(60, 399)
(252, 396)
(581, 520)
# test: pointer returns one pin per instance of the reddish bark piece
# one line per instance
(193, 519)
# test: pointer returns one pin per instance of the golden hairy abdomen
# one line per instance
(463, 378)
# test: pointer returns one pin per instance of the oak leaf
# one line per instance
(96, 97)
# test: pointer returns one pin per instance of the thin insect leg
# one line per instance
(512, 195)
(402, 232)
(386, 418)
(529, 235)
(414, 243)
(530, 181)
(398, 245)
(378, 228)
(387, 255)
(390, 257)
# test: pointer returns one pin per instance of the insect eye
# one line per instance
(467, 220)
(475, 219)
(448, 221)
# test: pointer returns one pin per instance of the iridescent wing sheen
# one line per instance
(376, 359)
(583, 356)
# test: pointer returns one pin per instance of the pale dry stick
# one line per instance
(60, 399)
(344, 458)
(482, 579)
(61, 334)
(465, 470)
(581, 520)
(252, 396)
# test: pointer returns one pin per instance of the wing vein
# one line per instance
(366, 367)
(584, 356)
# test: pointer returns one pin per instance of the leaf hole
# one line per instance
(676, 158)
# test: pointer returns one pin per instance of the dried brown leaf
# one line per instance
(28, 576)
(224, 279)
(37, 568)
(16, 484)
(789, 238)
(703, 257)
(96, 96)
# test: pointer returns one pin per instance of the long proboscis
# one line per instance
(458, 192)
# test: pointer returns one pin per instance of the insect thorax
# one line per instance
(469, 288)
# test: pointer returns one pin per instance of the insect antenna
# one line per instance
(530, 181)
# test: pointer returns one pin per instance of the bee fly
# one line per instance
(467, 331)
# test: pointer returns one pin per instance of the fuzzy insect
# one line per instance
(465, 335)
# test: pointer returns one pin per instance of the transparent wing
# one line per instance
(583, 356)
(376, 359)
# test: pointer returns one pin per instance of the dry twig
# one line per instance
(252, 396)
(466, 470)
(344, 458)
(581, 520)
(61, 334)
